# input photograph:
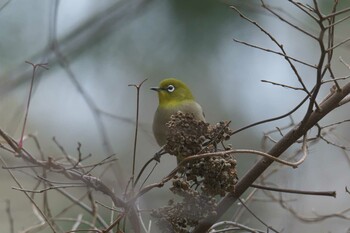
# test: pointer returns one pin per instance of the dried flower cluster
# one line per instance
(216, 175)
(200, 180)
(188, 136)
(178, 217)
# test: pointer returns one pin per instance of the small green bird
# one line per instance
(174, 96)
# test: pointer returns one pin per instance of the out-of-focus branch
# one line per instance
(72, 174)
(92, 30)
(35, 206)
(9, 214)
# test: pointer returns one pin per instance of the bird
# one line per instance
(173, 95)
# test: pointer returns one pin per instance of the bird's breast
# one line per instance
(163, 114)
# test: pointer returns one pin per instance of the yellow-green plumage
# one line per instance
(174, 96)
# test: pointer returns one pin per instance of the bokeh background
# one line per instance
(111, 44)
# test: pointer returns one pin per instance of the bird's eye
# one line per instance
(171, 88)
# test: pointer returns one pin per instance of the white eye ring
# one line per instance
(171, 88)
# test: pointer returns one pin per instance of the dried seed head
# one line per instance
(200, 180)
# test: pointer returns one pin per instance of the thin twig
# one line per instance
(28, 196)
(314, 193)
(35, 66)
(256, 217)
(138, 87)
(269, 9)
(9, 214)
(273, 118)
(346, 10)
(339, 44)
(304, 8)
(82, 205)
(293, 135)
(283, 85)
(274, 52)
(231, 223)
(280, 46)
(49, 188)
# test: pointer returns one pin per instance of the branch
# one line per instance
(268, 8)
(315, 193)
(9, 214)
(72, 174)
(35, 206)
(281, 146)
(138, 87)
(282, 85)
(274, 52)
(280, 46)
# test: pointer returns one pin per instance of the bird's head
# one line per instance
(172, 92)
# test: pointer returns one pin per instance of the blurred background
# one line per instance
(110, 44)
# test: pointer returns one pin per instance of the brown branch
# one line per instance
(304, 8)
(282, 85)
(305, 219)
(268, 8)
(48, 188)
(257, 218)
(330, 31)
(78, 202)
(332, 80)
(281, 146)
(119, 218)
(35, 206)
(9, 214)
(334, 144)
(273, 118)
(319, 75)
(74, 174)
(346, 10)
(336, 123)
(345, 100)
(53, 166)
(34, 66)
(220, 225)
(280, 46)
(205, 155)
(344, 63)
(138, 87)
(274, 52)
(347, 190)
(339, 21)
(339, 44)
(314, 193)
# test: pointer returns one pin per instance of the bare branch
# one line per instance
(305, 9)
(237, 226)
(278, 44)
(339, 44)
(268, 8)
(346, 10)
(36, 207)
(274, 52)
(138, 87)
(283, 85)
(313, 193)
(9, 214)
(90, 181)
(293, 135)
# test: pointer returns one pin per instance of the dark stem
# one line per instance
(315, 193)
(136, 127)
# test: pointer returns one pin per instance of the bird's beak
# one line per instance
(155, 89)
